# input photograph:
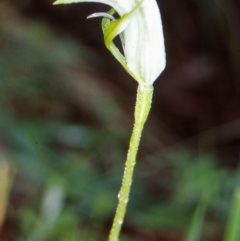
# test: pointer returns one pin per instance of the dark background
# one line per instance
(66, 114)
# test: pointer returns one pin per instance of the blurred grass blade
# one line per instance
(195, 229)
(233, 226)
(6, 178)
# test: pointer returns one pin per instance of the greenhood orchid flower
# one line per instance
(141, 32)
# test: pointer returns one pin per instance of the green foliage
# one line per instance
(232, 230)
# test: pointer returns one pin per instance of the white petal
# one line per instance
(145, 51)
(121, 6)
(144, 41)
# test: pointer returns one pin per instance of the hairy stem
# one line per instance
(142, 108)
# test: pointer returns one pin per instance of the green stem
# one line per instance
(142, 108)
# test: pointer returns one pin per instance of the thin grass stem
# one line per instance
(233, 226)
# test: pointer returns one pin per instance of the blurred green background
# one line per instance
(66, 114)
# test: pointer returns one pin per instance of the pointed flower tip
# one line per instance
(57, 2)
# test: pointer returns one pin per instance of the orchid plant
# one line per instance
(140, 29)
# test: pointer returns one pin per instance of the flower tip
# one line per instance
(57, 2)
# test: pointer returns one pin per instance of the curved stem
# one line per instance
(142, 108)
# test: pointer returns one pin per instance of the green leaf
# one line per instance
(195, 229)
(233, 225)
